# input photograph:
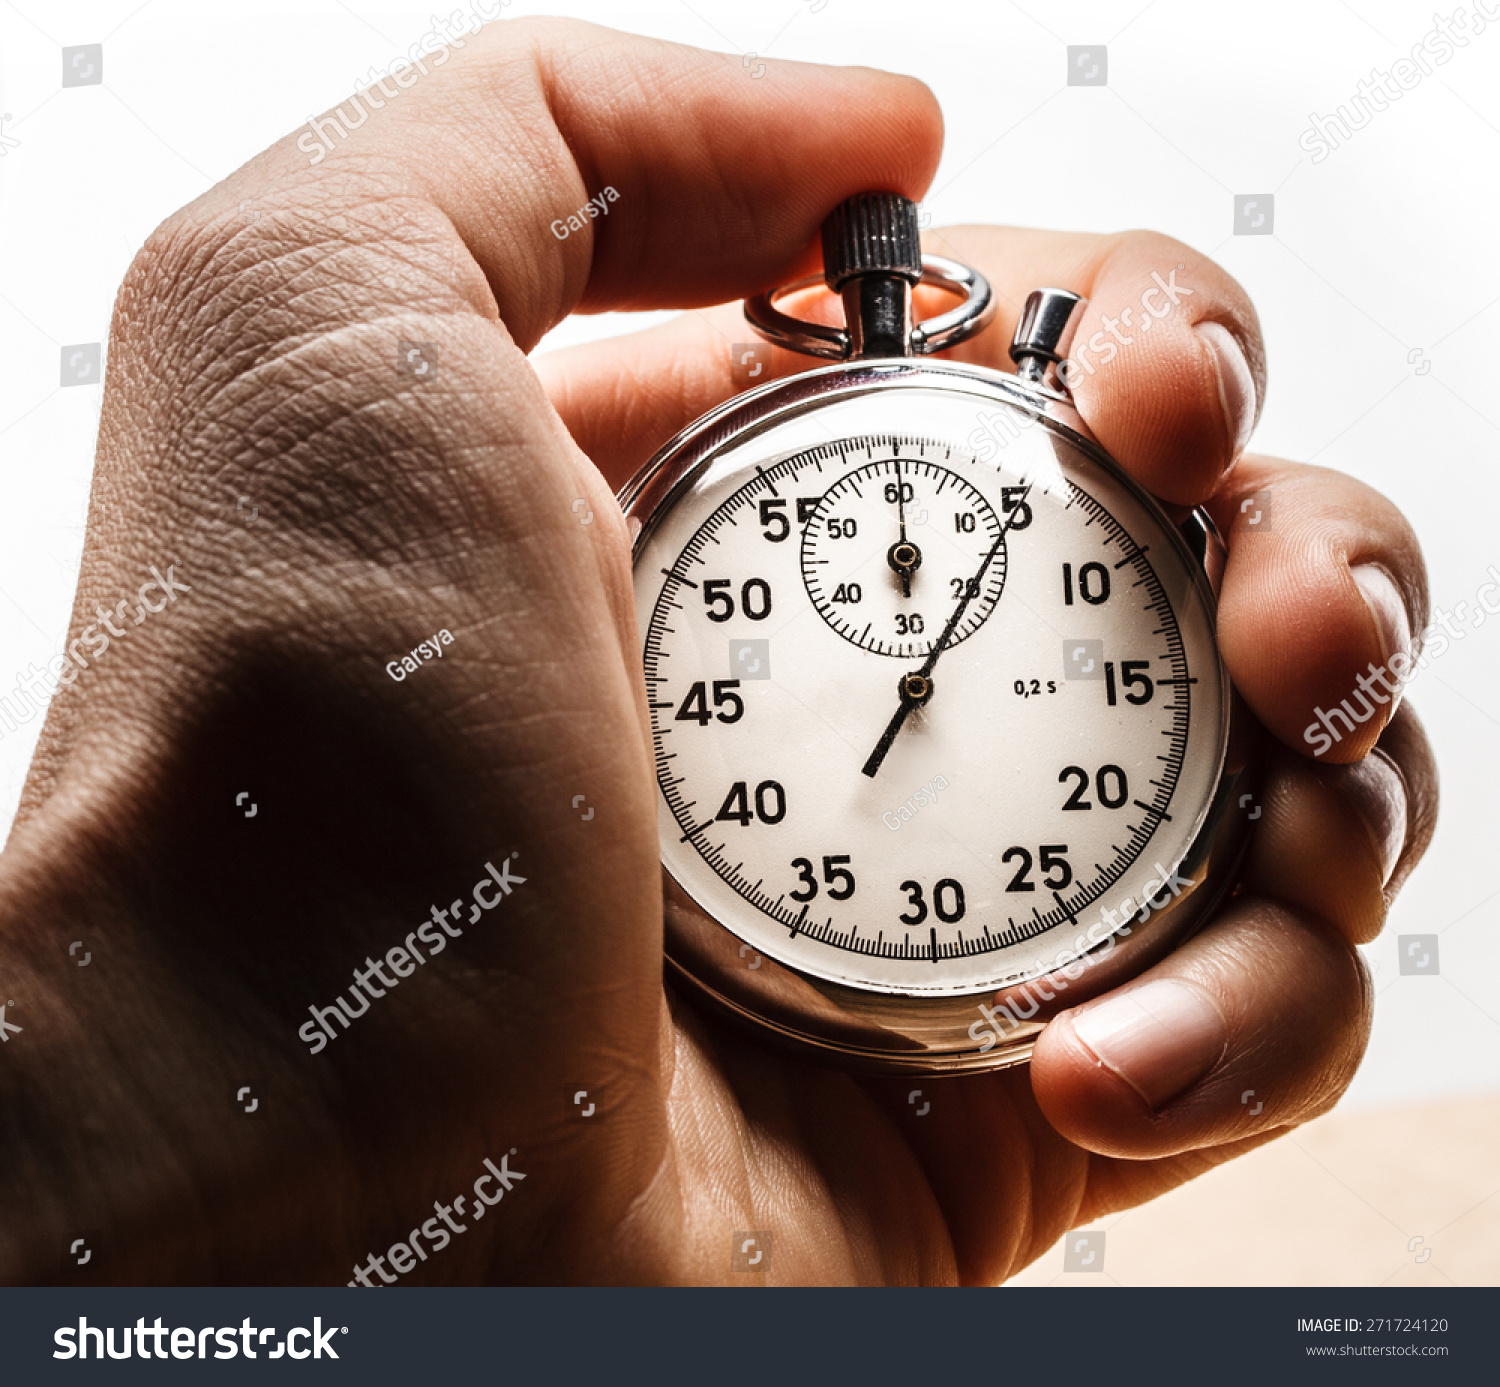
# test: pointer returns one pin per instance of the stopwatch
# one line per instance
(941, 730)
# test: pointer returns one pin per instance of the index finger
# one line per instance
(588, 170)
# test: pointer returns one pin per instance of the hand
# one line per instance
(260, 359)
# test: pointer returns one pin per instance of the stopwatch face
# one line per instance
(933, 688)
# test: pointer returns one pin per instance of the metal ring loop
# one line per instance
(933, 335)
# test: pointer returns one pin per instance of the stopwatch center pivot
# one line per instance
(915, 689)
(904, 557)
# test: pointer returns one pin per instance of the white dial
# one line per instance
(938, 770)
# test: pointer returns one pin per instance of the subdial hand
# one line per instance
(903, 556)
(917, 688)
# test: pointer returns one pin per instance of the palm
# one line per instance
(854, 1186)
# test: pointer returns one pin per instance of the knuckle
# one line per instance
(225, 320)
(268, 355)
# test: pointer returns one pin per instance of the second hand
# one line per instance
(916, 688)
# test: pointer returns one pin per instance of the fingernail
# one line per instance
(1159, 1038)
(1389, 611)
(1378, 793)
(1236, 384)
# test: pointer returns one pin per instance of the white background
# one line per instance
(1383, 259)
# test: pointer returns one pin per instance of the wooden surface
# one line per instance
(1335, 1203)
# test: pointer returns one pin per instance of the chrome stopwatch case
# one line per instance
(942, 734)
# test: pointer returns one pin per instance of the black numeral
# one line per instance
(964, 587)
(1093, 584)
(695, 706)
(769, 792)
(893, 493)
(1109, 781)
(713, 596)
(953, 911)
(947, 902)
(763, 601)
(1122, 791)
(840, 880)
(773, 517)
(1051, 860)
(1133, 676)
(848, 592)
(912, 625)
(963, 522)
(842, 529)
(755, 599)
(770, 804)
(833, 870)
(1011, 500)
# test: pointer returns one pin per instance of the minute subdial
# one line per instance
(892, 598)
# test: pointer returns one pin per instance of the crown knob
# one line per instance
(872, 233)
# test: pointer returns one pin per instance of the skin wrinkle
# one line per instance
(1030, 1236)
(1295, 790)
(231, 285)
(343, 418)
(809, 1184)
(249, 381)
